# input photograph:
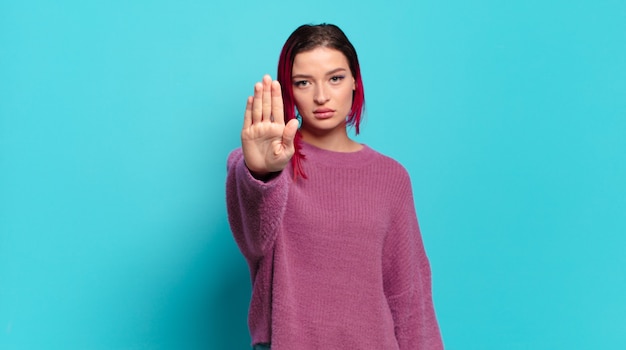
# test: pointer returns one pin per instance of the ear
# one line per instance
(353, 84)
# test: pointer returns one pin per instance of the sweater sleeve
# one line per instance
(255, 208)
(407, 276)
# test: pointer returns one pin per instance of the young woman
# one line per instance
(326, 224)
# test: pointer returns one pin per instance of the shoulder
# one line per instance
(390, 165)
(390, 172)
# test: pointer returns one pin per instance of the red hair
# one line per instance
(306, 38)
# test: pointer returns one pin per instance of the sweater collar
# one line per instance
(321, 156)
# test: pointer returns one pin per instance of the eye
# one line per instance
(301, 83)
(337, 78)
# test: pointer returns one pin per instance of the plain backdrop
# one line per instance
(116, 118)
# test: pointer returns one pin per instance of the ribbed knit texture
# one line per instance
(336, 260)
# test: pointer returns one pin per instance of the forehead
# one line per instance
(319, 60)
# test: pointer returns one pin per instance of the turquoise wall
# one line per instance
(116, 118)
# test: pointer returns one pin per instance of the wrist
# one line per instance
(262, 175)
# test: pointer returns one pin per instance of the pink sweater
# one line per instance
(336, 260)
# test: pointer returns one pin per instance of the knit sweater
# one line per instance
(336, 260)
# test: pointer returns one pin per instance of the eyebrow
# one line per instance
(305, 76)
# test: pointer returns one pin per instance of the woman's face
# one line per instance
(323, 86)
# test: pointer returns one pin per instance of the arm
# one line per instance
(407, 277)
(257, 188)
(255, 208)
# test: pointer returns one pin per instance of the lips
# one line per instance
(323, 113)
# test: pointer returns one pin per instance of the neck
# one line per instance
(337, 141)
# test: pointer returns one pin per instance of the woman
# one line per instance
(326, 224)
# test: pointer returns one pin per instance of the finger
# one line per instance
(289, 134)
(267, 97)
(277, 103)
(247, 116)
(257, 103)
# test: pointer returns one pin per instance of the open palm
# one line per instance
(266, 141)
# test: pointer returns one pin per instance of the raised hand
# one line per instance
(266, 141)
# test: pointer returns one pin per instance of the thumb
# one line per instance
(289, 133)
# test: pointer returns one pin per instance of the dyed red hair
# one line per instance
(306, 38)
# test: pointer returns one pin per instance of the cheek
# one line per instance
(299, 99)
(347, 97)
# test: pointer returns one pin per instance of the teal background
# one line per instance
(116, 118)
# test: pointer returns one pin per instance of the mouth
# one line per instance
(323, 113)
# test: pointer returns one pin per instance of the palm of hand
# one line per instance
(266, 141)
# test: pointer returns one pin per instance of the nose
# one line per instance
(321, 95)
